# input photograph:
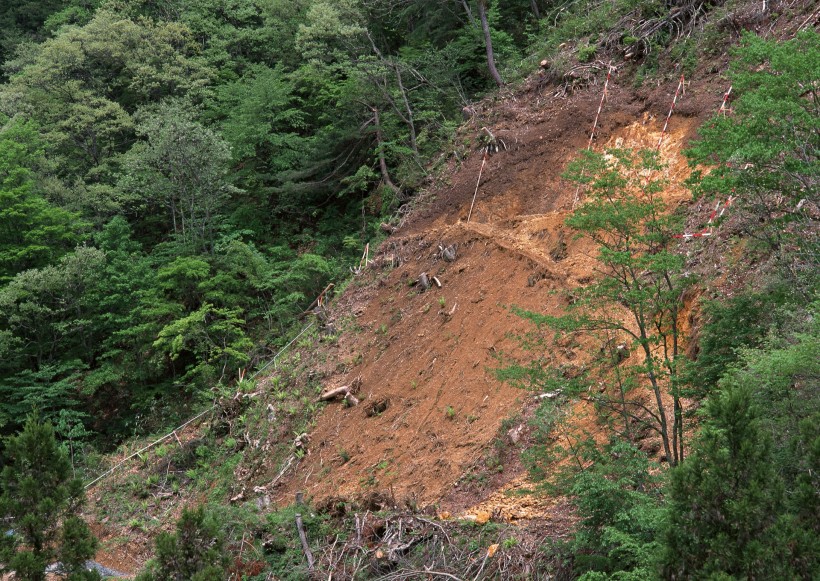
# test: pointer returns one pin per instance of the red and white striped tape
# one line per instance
(680, 90)
(718, 212)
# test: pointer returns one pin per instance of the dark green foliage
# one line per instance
(219, 163)
(33, 232)
(746, 503)
(39, 502)
(732, 324)
(195, 552)
(725, 501)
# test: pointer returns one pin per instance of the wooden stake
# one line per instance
(483, 161)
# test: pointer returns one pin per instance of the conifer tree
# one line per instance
(195, 553)
(39, 502)
(726, 499)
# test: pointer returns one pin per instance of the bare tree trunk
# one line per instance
(535, 11)
(488, 43)
(468, 11)
(380, 146)
(411, 126)
(410, 122)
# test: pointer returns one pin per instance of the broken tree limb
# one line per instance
(437, 282)
(342, 391)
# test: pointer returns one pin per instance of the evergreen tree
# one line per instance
(195, 553)
(39, 502)
(726, 499)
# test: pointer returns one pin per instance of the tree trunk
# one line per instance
(488, 42)
(468, 11)
(380, 145)
(535, 11)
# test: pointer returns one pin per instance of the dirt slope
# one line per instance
(431, 407)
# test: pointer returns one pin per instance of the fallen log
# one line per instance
(345, 392)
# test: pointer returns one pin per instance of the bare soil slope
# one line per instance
(430, 405)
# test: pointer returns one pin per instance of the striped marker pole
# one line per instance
(723, 108)
(671, 109)
(600, 106)
(595, 125)
(483, 162)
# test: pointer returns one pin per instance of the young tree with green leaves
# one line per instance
(39, 505)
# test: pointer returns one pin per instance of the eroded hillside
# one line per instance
(430, 407)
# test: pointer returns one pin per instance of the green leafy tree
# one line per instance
(766, 149)
(181, 168)
(639, 288)
(83, 85)
(213, 336)
(195, 552)
(39, 502)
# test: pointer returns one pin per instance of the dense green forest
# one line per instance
(179, 180)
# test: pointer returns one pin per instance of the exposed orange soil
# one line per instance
(431, 406)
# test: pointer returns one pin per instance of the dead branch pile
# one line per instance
(409, 546)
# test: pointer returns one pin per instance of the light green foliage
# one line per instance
(195, 552)
(180, 169)
(40, 499)
(766, 150)
(214, 336)
(82, 86)
(618, 501)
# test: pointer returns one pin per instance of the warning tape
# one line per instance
(708, 231)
